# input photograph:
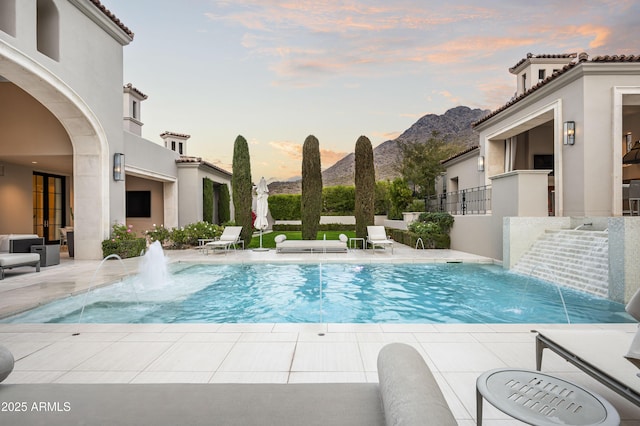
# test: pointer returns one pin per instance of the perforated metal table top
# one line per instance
(540, 399)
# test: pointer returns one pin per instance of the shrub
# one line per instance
(224, 204)
(443, 219)
(416, 206)
(338, 200)
(123, 242)
(285, 206)
(433, 228)
(207, 200)
(158, 233)
(188, 235)
(321, 227)
(400, 196)
(382, 202)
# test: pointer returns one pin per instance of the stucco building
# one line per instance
(73, 152)
(550, 158)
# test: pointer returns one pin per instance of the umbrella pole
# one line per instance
(260, 237)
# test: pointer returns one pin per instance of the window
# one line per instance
(173, 145)
(138, 204)
(8, 17)
(524, 82)
(180, 147)
(135, 109)
(47, 28)
(541, 74)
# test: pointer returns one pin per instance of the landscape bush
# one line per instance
(123, 242)
(322, 227)
(285, 206)
(338, 200)
(433, 228)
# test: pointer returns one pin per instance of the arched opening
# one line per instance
(70, 142)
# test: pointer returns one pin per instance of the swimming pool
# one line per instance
(351, 293)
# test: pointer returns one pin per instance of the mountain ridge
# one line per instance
(454, 126)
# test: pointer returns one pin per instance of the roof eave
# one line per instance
(100, 18)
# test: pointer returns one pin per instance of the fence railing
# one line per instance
(463, 202)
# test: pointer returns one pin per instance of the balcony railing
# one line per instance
(463, 202)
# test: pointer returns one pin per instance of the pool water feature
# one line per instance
(351, 293)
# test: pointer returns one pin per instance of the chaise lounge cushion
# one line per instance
(12, 260)
(8, 260)
(6, 363)
(410, 393)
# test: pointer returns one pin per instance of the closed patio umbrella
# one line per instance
(262, 208)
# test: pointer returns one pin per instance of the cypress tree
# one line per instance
(241, 185)
(311, 203)
(365, 181)
(207, 200)
(224, 211)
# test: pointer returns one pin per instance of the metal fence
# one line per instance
(463, 202)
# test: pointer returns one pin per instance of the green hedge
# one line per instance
(285, 206)
(338, 200)
(124, 248)
(322, 227)
(408, 238)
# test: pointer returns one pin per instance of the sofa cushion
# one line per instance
(12, 259)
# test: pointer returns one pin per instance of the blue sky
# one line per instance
(278, 71)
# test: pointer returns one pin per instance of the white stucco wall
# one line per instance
(82, 87)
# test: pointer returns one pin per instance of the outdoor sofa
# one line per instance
(313, 246)
(15, 251)
(406, 394)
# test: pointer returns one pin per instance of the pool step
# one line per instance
(578, 259)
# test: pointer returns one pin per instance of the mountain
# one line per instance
(452, 126)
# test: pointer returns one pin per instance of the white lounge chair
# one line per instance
(230, 237)
(377, 237)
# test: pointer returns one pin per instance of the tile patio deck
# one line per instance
(265, 353)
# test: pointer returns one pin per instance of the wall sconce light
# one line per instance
(628, 138)
(569, 132)
(481, 163)
(118, 166)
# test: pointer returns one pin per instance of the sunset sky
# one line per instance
(278, 71)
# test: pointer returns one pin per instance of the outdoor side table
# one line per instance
(539, 399)
(353, 241)
(202, 243)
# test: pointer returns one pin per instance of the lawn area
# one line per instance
(268, 239)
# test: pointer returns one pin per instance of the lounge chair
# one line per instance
(377, 237)
(230, 237)
(599, 353)
(611, 357)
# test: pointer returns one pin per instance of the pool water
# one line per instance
(351, 293)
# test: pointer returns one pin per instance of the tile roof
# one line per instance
(544, 56)
(113, 17)
(179, 135)
(460, 154)
(582, 57)
(133, 89)
(198, 160)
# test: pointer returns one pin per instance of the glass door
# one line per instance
(48, 206)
